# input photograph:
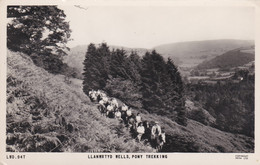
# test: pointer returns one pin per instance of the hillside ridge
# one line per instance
(233, 58)
(92, 131)
(185, 54)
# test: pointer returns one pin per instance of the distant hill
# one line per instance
(76, 55)
(194, 52)
(184, 54)
(233, 58)
(34, 96)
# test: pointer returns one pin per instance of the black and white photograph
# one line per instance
(137, 79)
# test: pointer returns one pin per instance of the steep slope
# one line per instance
(229, 59)
(35, 96)
(197, 137)
(194, 52)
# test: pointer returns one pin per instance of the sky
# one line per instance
(147, 27)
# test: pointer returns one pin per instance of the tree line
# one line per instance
(231, 104)
(148, 83)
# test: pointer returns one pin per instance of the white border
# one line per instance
(82, 158)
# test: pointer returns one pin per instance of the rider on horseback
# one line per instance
(92, 95)
(102, 107)
(124, 108)
(138, 119)
(129, 112)
(156, 130)
(118, 114)
(140, 131)
(114, 103)
(90, 92)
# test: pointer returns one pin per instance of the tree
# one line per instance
(135, 67)
(150, 83)
(175, 76)
(152, 78)
(162, 87)
(174, 91)
(119, 64)
(125, 90)
(37, 29)
(103, 64)
(124, 78)
(96, 67)
(89, 80)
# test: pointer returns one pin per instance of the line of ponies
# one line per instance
(150, 133)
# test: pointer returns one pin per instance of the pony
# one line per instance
(147, 133)
(159, 141)
(102, 109)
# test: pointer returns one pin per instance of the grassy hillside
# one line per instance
(34, 96)
(229, 59)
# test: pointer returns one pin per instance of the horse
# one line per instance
(93, 97)
(132, 126)
(123, 115)
(102, 109)
(110, 111)
(118, 115)
(159, 141)
(110, 114)
(99, 98)
(147, 133)
(114, 102)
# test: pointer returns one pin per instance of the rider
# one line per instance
(110, 109)
(156, 130)
(100, 95)
(147, 132)
(129, 112)
(124, 108)
(93, 96)
(105, 99)
(118, 115)
(90, 92)
(102, 107)
(138, 119)
(114, 103)
(101, 102)
(140, 130)
(98, 92)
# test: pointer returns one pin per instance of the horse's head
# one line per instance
(163, 137)
(132, 120)
(145, 124)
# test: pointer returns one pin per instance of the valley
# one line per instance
(43, 93)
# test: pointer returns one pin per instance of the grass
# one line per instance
(93, 131)
(34, 96)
